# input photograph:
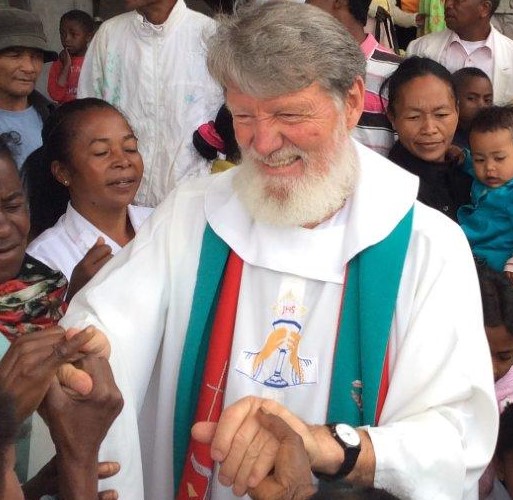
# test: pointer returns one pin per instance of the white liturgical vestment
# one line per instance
(438, 425)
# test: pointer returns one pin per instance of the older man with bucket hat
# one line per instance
(23, 51)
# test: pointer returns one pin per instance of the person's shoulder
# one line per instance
(199, 16)
(197, 24)
(434, 230)
(49, 245)
(115, 23)
(427, 40)
(503, 39)
(41, 104)
(48, 237)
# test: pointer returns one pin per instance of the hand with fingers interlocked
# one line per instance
(32, 361)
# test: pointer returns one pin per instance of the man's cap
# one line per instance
(20, 28)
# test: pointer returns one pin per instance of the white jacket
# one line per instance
(157, 76)
(434, 44)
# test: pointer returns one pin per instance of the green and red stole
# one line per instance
(368, 303)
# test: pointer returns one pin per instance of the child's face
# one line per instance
(500, 342)
(74, 37)
(492, 153)
(476, 94)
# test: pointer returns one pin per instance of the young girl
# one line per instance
(488, 220)
(423, 110)
(497, 299)
(92, 154)
(76, 30)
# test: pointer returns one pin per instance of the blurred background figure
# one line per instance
(165, 91)
(76, 29)
(23, 50)
(474, 91)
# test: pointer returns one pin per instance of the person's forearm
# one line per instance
(77, 476)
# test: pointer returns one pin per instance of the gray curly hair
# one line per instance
(281, 47)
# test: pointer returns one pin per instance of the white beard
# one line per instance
(327, 181)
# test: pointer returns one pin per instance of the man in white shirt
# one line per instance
(471, 40)
(309, 263)
(150, 63)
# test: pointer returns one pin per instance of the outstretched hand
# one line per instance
(96, 257)
(31, 362)
(73, 377)
(78, 424)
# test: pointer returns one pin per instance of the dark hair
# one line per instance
(494, 5)
(492, 119)
(359, 10)
(8, 431)
(61, 127)
(410, 68)
(496, 296)
(505, 439)
(47, 197)
(223, 127)
(462, 76)
(81, 17)
(9, 142)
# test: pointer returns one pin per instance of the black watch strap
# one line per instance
(351, 453)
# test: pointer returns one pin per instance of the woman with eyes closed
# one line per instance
(92, 160)
(423, 110)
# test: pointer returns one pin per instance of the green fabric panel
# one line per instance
(346, 361)
(373, 278)
(213, 257)
(380, 275)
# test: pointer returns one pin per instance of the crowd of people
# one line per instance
(262, 254)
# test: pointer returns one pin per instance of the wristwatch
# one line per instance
(349, 439)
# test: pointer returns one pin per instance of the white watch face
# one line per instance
(348, 434)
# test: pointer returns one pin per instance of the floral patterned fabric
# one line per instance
(435, 20)
(32, 301)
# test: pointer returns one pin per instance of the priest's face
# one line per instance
(298, 163)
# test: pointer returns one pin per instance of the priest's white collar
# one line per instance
(384, 193)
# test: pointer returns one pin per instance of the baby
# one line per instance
(488, 220)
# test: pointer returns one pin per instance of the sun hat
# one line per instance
(20, 28)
